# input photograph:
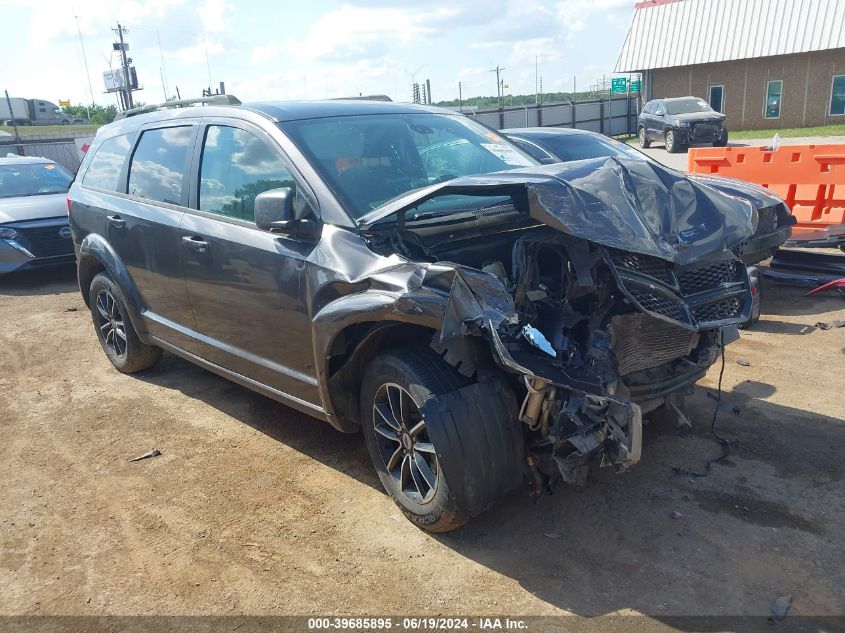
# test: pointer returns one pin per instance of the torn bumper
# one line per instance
(582, 428)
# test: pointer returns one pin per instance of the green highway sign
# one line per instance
(618, 84)
(635, 85)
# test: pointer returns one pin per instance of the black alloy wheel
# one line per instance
(404, 444)
(112, 323)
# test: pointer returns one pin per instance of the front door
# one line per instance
(143, 228)
(247, 286)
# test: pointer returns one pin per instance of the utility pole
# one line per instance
(498, 70)
(460, 98)
(127, 90)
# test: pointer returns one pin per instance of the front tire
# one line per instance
(395, 387)
(722, 141)
(115, 332)
(644, 142)
(672, 144)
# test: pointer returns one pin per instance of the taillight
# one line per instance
(68, 207)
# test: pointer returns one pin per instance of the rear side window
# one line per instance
(532, 150)
(157, 170)
(104, 170)
(236, 167)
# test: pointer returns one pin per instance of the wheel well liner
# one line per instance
(352, 350)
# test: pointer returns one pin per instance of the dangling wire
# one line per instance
(723, 441)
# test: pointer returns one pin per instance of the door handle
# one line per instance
(117, 221)
(195, 243)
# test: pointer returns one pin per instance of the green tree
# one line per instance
(100, 115)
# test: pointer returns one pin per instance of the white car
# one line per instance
(34, 228)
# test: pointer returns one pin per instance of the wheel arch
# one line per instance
(95, 256)
(351, 350)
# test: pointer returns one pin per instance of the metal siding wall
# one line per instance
(689, 32)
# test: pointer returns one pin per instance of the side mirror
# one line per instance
(274, 211)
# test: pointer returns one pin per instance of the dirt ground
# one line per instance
(253, 508)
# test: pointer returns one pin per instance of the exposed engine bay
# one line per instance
(601, 338)
(591, 337)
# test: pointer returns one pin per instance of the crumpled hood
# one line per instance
(758, 195)
(33, 207)
(629, 204)
(699, 117)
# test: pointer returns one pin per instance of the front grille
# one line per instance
(705, 130)
(640, 341)
(642, 264)
(718, 310)
(45, 241)
(698, 278)
(692, 295)
(655, 303)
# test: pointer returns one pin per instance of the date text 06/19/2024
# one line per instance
(417, 623)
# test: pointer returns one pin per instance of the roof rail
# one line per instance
(180, 103)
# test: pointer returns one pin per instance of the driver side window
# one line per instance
(235, 167)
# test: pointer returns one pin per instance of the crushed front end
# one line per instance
(605, 289)
(604, 336)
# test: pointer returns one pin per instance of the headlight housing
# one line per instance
(679, 123)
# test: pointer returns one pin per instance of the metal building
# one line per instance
(764, 63)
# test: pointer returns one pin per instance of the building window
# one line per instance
(774, 90)
(717, 97)
(837, 96)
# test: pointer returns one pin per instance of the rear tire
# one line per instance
(114, 329)
(644, 142)
(413, 478)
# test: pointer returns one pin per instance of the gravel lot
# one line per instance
(254, 508)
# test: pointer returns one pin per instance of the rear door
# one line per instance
(656, 121)
(246, 286)
(142, 225)
(645, 115)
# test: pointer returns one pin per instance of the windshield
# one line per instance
(583, 146)
(370, 159)
(687, 106)
(33, 179)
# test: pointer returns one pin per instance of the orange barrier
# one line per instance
(811, 178)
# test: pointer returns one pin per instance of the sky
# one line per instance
(265, 50)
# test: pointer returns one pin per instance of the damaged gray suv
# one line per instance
(401, 270)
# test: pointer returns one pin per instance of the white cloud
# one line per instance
(215, 15)
(196, 52)
(266, 53)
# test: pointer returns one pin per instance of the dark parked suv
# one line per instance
(401, 270)
(681, 122)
